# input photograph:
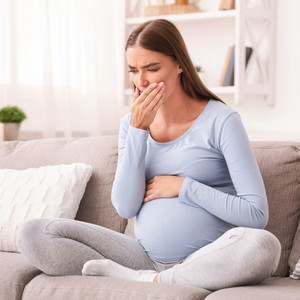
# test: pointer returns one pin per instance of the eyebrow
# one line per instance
(146, 66)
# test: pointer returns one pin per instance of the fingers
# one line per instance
(147, 91)
(146, 104)
(136, 94)
(166, 186)
(150, 182)
(155, 96)
(149, 196)
(152, 92)
(157, 100)
(149, 192)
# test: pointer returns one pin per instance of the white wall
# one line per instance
(261, 121)
(283, 120)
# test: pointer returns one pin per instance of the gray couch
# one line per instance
(280, 166)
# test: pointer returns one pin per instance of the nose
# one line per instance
(142, 80)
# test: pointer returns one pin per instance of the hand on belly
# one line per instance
(163, 187)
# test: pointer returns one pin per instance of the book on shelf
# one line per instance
(225, 66)
(227, 74)
(226, 4)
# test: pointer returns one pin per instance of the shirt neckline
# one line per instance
(200, 116)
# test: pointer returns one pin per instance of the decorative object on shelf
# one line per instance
(181, 2)
(11, 117)
(227, 75)
(226, 4)
(225, 66)
(200, 72)
(179, 7)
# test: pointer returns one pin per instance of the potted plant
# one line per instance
(11, 117)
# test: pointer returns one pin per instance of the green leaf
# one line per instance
(12, 114)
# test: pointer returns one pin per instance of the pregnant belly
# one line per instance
(170, 230)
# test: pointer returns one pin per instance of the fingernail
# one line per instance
(161, 84)
(154, 84)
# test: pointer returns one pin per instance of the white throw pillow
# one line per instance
(45, 192)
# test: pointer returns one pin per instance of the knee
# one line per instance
(273, 249)
(267, 241)
(267, 247)
(30, 235)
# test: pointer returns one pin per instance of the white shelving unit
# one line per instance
(242, 17)
(186, 17)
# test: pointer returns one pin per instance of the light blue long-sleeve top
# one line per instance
(223, 187)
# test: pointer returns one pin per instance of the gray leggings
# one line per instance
(61, 247)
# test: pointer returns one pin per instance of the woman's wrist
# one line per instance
(138, 126)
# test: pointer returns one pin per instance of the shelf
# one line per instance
(186, 18)
(258, 13)
(245, 32)
(254, 89)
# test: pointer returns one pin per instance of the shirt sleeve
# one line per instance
(249, 207)
(129, 184)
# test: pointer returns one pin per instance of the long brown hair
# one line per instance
(162, 36)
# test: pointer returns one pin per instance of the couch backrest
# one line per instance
(99, 152)
(279, 163)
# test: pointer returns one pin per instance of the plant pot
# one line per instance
(11, 131)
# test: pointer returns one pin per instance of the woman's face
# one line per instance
(147, 67)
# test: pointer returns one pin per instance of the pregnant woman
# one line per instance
(186, 171)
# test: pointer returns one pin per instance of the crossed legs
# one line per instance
(66, 247)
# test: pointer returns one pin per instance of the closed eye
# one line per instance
(150, 70)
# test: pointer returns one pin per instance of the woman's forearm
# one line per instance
(248, 209)
(129, 184)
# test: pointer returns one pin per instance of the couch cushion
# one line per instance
(15, 273)
(45, 192)
(279, 163)
(45, 287)
(274, 288)
(99, 152)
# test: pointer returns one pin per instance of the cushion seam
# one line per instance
(13, 283)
